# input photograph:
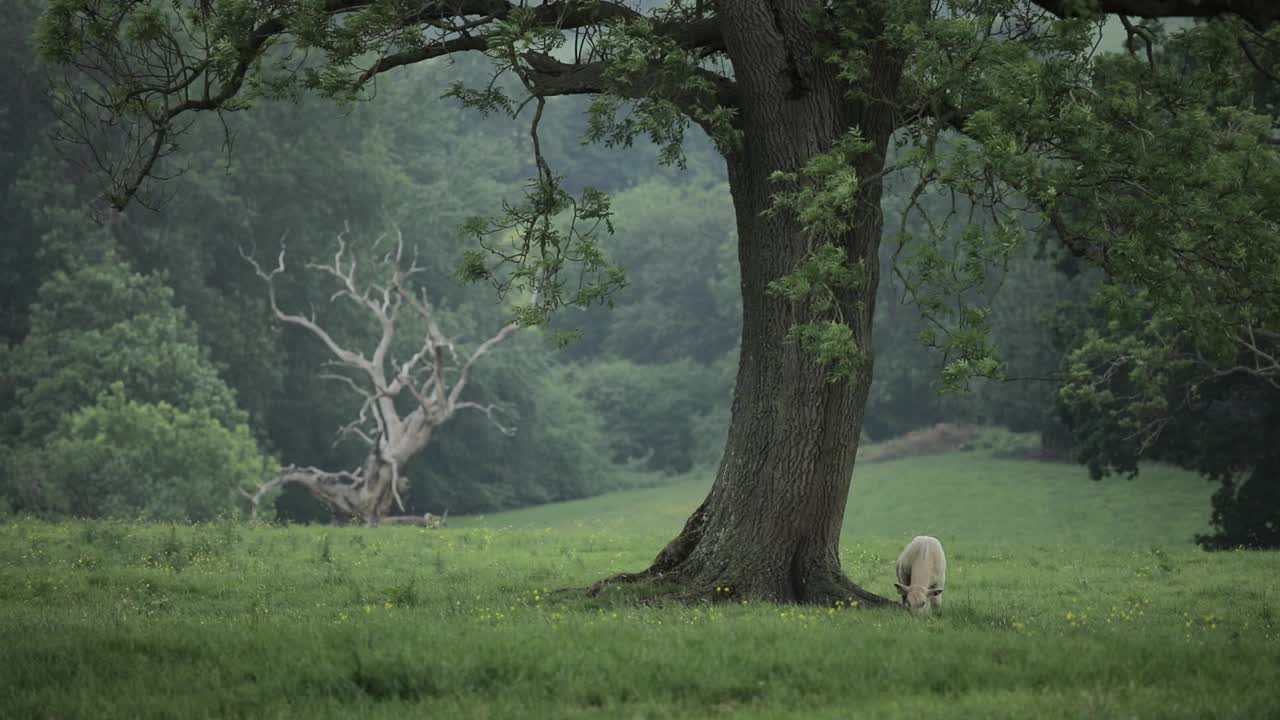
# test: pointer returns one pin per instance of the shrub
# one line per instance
(127, 459)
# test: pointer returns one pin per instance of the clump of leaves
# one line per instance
(821, 284)
(825, 192)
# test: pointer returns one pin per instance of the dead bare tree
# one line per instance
(428, 377)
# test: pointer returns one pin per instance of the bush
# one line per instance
(125, 459)
(98, 324)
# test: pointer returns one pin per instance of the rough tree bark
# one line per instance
(368, 493)
(770, 526)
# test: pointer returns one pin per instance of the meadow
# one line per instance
(1065, 599)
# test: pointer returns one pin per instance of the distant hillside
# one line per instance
(967, 496)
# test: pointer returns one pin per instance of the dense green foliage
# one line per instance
(1126, 619)
(555, 453)
(1135, 395)
(122, 458)
(1161, 170)
(662, 432)
(100, 324)
(118, 411)
(107, 311)
(1179, 365)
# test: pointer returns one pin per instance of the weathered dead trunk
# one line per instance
(770, 527)
(366, 500)
(372, 494)
(365, 497)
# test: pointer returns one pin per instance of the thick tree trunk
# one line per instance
(770, 527)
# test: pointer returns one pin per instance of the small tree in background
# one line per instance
(99, 323)
(117, 409)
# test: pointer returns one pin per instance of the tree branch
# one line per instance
(1266, 364)
(393, 441)
(384, 312)
(314, 479)
(422, 54)
(488, 411)
(484, 348)
(181, 68)
(255, 497)
(434, 342)
(551, 77)
(346, 357)
(1259, 13)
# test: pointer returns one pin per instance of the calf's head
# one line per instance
(918, 598)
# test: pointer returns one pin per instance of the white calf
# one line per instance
(922, 574)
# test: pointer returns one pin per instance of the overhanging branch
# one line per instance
(422, 54)
(551, 77)
(1259, 13)
(182, 66)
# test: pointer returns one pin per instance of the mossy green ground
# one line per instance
(1065, 598)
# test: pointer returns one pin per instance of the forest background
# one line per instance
(143, 349)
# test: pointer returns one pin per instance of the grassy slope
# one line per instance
(960, 496)
(115, 620)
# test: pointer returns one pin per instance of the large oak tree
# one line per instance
(816, 106)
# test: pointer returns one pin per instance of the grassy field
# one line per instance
(1065, 599)
(967, 496)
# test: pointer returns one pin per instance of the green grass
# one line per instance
(968, 496)
(1046, 616)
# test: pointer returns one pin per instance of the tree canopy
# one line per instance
(1046, 124)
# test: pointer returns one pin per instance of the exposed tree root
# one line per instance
(620, 579)
(674, 587)
(685, 581)
(840, 591)
(682, 575)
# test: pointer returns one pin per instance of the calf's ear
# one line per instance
(902, 589)
(935, 592)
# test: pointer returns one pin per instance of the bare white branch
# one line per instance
(395, 482)
(485, 347)
(488, 411)
(255, 497)
(346, 357)
(346, 380)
